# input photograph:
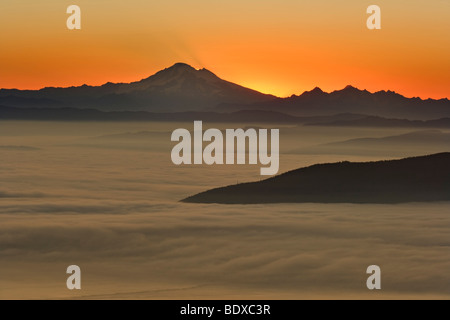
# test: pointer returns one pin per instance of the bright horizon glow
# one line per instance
(277, 48)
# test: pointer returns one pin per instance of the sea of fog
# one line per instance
(105, 197)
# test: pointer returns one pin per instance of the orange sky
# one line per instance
(279, 47)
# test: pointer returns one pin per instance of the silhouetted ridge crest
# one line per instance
(416, 179)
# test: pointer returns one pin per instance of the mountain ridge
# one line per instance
(240, 116)
(387, 104)
(414, 179)
(183, 88)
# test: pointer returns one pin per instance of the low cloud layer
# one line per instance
(297, 248)
(116, 214)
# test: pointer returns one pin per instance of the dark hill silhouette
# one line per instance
(418, 179)
(385, 104)
(178, 88)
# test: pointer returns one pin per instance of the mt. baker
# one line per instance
(178, 88)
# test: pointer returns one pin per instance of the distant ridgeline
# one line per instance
(417, 179)
(181, 88)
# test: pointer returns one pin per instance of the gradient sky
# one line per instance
(279, 47)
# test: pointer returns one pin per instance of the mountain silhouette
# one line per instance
(182, 88)
(248, 116)
(387, 104)
(418, 179)
(178, 88)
